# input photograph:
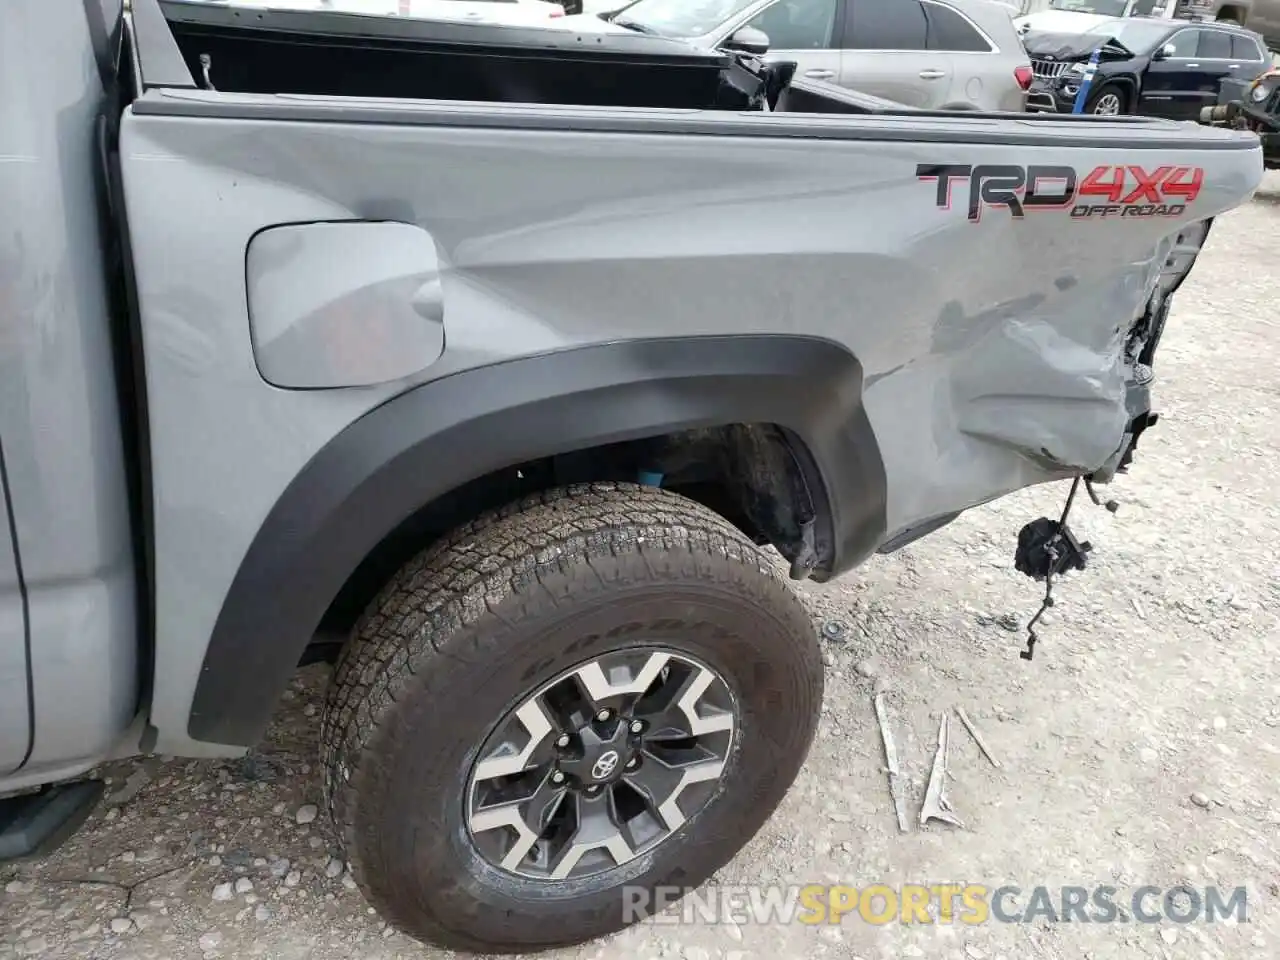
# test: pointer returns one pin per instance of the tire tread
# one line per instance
(496, 566)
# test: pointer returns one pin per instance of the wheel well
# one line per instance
(1126, 85)
(769, 428)
(757, 476)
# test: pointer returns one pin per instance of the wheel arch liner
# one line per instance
(435, 437)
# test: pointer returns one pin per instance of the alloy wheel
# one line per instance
(1108, 105)
(600, 765)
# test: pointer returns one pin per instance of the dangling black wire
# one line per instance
(1055, 558)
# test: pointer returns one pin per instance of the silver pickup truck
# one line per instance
(517, 372)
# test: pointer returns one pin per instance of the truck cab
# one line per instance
(72, 616)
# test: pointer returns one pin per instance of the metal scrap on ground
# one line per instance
(977, 737)
(891, 763)
(935, 805)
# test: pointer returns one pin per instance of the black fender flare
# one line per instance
(433, 438)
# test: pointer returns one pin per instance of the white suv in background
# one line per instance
(931, 54)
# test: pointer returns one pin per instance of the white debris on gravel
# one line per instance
(143, 919)
(211, 941)
(306, 813)
(223, 892)
(869, 668)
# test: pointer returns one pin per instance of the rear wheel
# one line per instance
(567, 704)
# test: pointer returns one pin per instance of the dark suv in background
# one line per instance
(1148, 66)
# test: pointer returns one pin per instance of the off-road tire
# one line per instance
(467, 629)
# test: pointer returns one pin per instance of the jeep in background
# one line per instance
(1158, 68)
(341, 337)
(1251, 103)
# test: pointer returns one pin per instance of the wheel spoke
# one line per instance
(505, 760)
(661, 784)
(605, 690)
(598, 829)
(672, 711)
(702, 724)
(528, 817)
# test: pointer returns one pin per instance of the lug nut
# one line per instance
(562, 740)
(557, 777)
(604, 715)
(637, 726)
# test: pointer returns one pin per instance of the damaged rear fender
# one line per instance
(1034, 389)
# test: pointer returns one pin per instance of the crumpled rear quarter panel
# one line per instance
(991, 350)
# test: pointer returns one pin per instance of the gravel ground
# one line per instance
(1140, 747)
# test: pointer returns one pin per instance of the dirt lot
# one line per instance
(1141, 747)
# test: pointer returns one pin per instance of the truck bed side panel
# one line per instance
(990, 344)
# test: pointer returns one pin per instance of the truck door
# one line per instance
(15, 729)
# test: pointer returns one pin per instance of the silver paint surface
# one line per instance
(344, 304)
(991, 349)
(59, 414)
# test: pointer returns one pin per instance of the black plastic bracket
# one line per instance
(1047, 548)
(35, 824)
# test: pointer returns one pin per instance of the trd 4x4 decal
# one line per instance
(1112, 190)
